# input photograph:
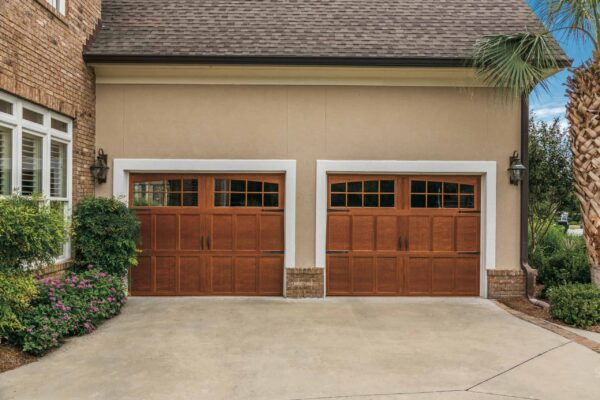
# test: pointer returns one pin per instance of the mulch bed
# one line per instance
(11, 358)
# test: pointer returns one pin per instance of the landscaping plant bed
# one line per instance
(11, 358)
(526, 307)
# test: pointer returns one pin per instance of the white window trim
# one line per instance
(18, 125)
(485, 169)
(58, 5)
(122, 167)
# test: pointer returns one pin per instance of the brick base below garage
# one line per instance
(505, 283)
(304, 282)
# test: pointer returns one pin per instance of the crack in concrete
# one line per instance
(518, 365)
(358, 396)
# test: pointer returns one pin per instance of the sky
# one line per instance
(549, 105)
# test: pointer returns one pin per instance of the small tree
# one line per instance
(105, 234)
(550, 179)
(32, 233)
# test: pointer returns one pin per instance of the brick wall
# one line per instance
(505, 283)
(304, 282)
(41, 61)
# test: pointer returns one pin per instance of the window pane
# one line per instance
(238, 186)
(222, 185)
(354, 187)
(190, 185)
(371, 200)
(434, 187)
(254, 186)
(174, 185)
(33, 116)
(31, 176)
(221, 200)
(338, 200)
(450, 201)
(59, 125)
(387, 186)
(271, 187)
(467, 188)
(238, 199)
(371, 186)
(254, 199)
(386, 200)
(5, 160)
(58, 169)
(140, 199)
(434, 201)
(271, 200)
(174, 199)
(157, 199)
(417, 201)
(354, 200)
(467, 201)
(450, 187)
(417, 186)
(6, 107)
(190, 199)
(338, 187)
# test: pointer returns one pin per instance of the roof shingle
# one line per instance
(387, 29)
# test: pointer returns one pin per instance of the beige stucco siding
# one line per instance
(308, 123)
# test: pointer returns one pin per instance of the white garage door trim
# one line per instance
(124, 166)
(485, 169)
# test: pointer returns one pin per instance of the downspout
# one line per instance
(530, 273)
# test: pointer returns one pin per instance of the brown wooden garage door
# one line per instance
(403, 235)
(208, 234)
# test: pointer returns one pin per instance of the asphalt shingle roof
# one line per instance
(391, 29)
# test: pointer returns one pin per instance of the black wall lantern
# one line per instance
(516, 169)
(100, 167)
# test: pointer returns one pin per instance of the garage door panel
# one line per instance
(246, 275)
(339, 232)
(363, 275)
(442, 232)
(145, 239)
(190, 231)
(221, 274)
(271, 232)
(141, 275)
(467, 233)
(389, 276)
(419, 233)
(418, 276)
(271, 275)
(246, 232)
(165, 231)
(166, 274)
(387, 232)
(467, 275)
(338, 275)
(192, 275)
(363, 233)
(221, 234)
(442, 275)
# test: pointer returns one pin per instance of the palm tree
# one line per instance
(517, 63)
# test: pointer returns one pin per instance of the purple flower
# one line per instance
(45, 327)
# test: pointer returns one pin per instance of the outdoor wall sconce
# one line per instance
(100, 167)
(516, 169)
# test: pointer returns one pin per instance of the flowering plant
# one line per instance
(73, 305)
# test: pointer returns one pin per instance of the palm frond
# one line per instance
(579, 19)
(516, 62)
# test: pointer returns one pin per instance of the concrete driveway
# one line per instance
(203, 348)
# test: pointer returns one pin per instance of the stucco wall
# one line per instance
(308, 123)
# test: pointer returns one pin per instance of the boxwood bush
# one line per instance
(104, 234)
(73, 305)
(575, 304)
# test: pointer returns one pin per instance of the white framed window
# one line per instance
(60, 5)
(36, 154)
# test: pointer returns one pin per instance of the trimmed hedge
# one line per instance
(105, 234)
(575, 304)
(17, 291)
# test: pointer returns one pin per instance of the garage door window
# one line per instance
(368, 193)
(246, 193)
(439, 194)
(166, 193)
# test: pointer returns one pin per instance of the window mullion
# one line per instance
(17, 157)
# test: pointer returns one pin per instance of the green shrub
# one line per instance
(105, 233)
(560, 259)
(16, 293)
(74, 305)
(31, 233)
(575, 304)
